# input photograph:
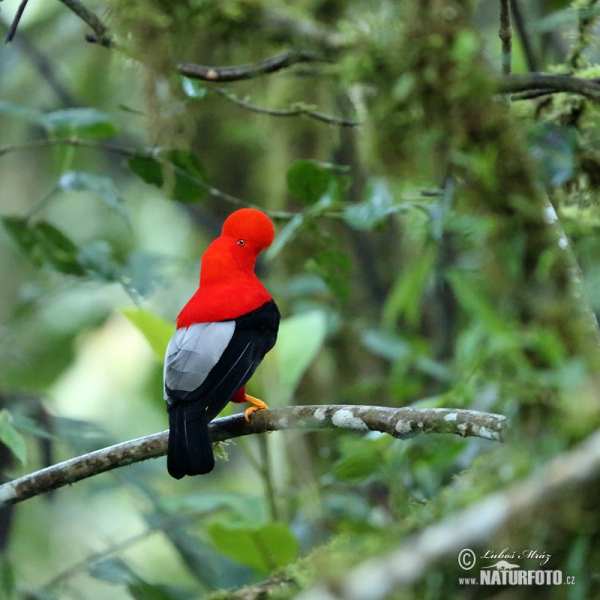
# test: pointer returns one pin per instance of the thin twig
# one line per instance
(248, 71)
(402, 423)
(45, 68)
(101, 31)
(521, 26)
(13, 26)
(505, 34)
(294, 112)
(149, 153)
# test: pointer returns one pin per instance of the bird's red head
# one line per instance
(249, 227)
(228, 284)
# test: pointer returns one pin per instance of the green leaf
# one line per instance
(113, 570)
(187, 170)
(11, 438)
(368, 214)
(180, 170)
(262, 548)
(141, 272)
(361, 458)
(310, 180)
(553, 149)
(474, 300)
(142, 590)
(147, 169)
(96, 258)
(155, 329)
(7, 577)
(298, 343)
(59, 250)
(385, 344)
(243, 507)
(103, 187)
(334, 267)
(85, 122)
(24, 236)
(287, 234)
(193, 89)
(405, 297)
(44, 243)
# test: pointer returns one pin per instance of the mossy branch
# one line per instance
(402, 423)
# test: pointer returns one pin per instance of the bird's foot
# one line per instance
(256, 405)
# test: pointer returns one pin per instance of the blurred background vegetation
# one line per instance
(418, 262)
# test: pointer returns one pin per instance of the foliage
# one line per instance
(442, 253)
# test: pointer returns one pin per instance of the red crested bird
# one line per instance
(222, 335)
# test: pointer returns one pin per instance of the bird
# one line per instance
(222, 335)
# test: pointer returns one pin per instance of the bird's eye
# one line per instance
(241, 243)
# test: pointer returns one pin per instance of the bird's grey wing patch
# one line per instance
(192, 353)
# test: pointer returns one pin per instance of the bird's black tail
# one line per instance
(190, 450)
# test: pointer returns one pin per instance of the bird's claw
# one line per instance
(256, 405)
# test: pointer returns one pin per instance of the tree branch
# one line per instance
(401, 423)
(552, 492)
(550, 84)
(505, 34)
(294, 112)
(13, 26)
(248, 71)
(102, 34)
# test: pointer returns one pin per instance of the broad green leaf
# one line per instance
(262, 548)
(310, 180)
(87, 122)
(155, 329)
(77, 181)
(60, 251)
(44, 243)
(187, 170)
(23, 234)
(147, 169)
(298, 343)
(179, 170)
(11, 438)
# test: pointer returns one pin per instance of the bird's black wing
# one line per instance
(198, 383)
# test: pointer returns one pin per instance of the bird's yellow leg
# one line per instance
(256, 405)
